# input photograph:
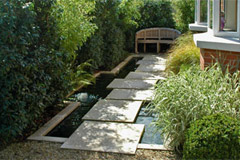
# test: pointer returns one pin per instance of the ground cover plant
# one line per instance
(191, 95)
(183, 53)
(213, 137)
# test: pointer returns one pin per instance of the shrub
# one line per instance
(184, 52)
(107, 47)
(184, 13)
(156, 13)
(73, 23)
(191, 95)
(213, 137)
(35, 71)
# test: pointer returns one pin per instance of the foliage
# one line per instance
(184, 13)
(190, 95)
(107, 46)
(183, 53)
(213, 137)
(35, 71)
(156, 13)
(82, 75)
(73, 21)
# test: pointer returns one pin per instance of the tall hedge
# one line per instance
(156, 13)
(34, 72)
(183, 13)
(107, 47)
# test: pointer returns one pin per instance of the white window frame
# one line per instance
(197, 13)
(210, 30)
(216, 22)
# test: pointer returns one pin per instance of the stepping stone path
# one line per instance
(150, 68)
(148, 62)
(109, 125)
(114, 111)
(132, 84)
(145, 75)
(154, 58)
(131, 94)
(106, 137)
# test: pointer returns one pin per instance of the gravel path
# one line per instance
(48, 150)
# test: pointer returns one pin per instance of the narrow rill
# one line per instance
(88, 97)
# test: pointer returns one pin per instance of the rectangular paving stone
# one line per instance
(154, 58)
(132, 84)
(114, 111)
(146, 62)
(106, 137)
(150, 68)
(131, 94)
(145, 75)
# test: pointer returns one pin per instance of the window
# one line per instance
(210, 13)
(225, 18)
(203, 11)
(228, 15)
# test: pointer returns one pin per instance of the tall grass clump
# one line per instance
(184, 52)
(191, 95)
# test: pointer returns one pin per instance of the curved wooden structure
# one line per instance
(155, 35)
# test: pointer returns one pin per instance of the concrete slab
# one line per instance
(114, 111)
(154, 58)
(132, 84)
(150, 68)
(106, 137)
(131, 94)
(145, 75)
(146, 62)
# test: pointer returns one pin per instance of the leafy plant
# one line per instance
(183, 53)
(107, 46)
(36, 71)
(184, 13)
(191, 95)
(73, 23)
(82, 75)
(213, 137)
(156, 13)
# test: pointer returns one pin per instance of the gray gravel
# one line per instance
(48, 150)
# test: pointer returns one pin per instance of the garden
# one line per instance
(49, 49)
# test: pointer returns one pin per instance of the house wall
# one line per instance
(227, 59)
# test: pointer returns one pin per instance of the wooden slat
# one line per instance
(155, 35)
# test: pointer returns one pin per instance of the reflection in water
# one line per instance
(151, 134)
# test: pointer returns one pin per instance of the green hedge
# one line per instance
(36, 69)
(106, 46)
(156, 13)
(213, 137)
(183, 13)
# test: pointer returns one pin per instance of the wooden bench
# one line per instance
(155, 35)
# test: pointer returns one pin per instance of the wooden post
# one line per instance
(136, 45)
(158, 47)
